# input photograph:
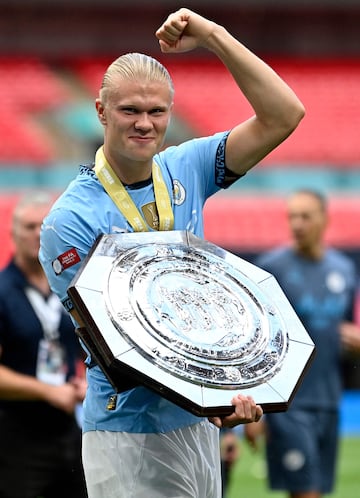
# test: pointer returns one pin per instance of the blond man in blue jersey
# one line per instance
(147, 446)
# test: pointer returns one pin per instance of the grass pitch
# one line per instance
(248, 478)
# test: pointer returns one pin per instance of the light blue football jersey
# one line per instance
(192, 171)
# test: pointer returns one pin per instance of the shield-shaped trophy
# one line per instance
(190, 320)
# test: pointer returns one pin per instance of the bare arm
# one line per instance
(17, 386)
(277, 109)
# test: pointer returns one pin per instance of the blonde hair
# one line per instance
(135, 66)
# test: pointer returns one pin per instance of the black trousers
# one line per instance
(34, 464)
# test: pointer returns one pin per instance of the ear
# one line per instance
(100, 111)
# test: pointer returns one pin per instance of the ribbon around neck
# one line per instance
(118, 193)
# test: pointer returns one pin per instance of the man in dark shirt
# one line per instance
(40, 438)
(320, 283)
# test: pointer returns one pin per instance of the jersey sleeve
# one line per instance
(65, 241)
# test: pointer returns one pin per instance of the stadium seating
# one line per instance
(24, 141)
(29, 84)
(259, 222)
(207, 98)
(27, 87)
(323, 153)
(251, 223)
(328, 89)
(90, 71)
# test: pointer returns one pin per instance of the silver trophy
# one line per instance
(190, 320)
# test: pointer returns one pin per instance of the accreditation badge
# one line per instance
(51, 365)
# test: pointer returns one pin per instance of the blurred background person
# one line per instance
(229, 453)
(320, 282)
(40, 438)
(350, 334)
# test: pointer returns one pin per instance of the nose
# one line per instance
(143, 122)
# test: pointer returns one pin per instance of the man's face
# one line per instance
(135, 118)
(307, 220)
(26, 231)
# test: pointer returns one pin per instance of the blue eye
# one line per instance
(129, 110)
(157, 111)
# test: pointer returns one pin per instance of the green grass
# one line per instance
(248, 478)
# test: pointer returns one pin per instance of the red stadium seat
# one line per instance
(23, 141)
(90, 71)
(27, 84)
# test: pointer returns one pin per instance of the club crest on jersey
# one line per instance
(179, 193)
(335, 282)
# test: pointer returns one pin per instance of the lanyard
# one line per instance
(48, 312)
(116, 190)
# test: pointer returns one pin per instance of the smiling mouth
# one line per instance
(142, 139)
(145, 137)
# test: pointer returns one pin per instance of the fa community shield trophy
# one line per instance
(191, 321)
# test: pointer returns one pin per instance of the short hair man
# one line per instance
(147, 446)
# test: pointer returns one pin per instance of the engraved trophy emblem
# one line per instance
(190, 320)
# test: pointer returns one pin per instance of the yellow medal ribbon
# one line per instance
(116, 190)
